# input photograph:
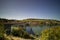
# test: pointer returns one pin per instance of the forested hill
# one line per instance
(32, 21)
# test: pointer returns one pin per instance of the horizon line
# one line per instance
(30, 18)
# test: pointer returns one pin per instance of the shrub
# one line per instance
(17, 32)
(51, 34)
(21, 33)
(1, 37)
(1, 32)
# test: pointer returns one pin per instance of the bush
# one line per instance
(16, 32)
(1, 28)
(51, 34)
(2, 32)
(1, 37)
(21, 33)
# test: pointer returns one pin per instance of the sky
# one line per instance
(23, 9)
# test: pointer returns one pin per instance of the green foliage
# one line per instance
(2, 32)
(21, 33)
(51, 34)
(1, 28)
(1, 37)
(17, 32)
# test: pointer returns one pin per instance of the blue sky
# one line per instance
(22, 9)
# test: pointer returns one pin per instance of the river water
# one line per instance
(36, 29)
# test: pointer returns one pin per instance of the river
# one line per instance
(36, 29)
